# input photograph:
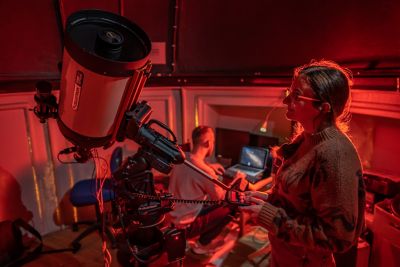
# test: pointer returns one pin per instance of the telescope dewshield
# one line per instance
(105, 65)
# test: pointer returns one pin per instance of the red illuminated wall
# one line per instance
(231, 37)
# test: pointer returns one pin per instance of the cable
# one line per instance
(177, 200)
(65, 162)
(101, 169)
(264, 127)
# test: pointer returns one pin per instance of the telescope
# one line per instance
(104, 68)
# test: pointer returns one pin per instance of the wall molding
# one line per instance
(376, 103)
(198, 101)
(170, 99)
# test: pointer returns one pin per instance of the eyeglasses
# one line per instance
(297, 96)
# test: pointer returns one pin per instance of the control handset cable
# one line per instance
(206, 175)
(231, 197)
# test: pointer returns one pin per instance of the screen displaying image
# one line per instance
(254, 157)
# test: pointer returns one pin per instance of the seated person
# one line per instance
(206, 221)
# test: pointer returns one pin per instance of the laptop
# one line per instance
(253, 162)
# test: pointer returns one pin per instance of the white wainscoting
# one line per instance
(24, 157)
(28, 158)
(166, 105)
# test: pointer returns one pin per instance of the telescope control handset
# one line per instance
(236, 198)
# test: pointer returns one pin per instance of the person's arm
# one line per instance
(213, 191)
(333, 223)
(217, 168)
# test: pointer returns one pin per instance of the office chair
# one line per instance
(83, 193)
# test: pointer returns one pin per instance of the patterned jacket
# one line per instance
(317, 204)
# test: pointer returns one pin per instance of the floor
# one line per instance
(234, 252)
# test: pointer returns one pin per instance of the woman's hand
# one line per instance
(239, 175)
(257, 199)
(256, 196)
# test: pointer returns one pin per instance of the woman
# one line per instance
(316, 207)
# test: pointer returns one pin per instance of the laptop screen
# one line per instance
(255, 157)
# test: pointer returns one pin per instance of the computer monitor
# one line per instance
(255, 157)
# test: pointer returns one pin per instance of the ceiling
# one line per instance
(215, 38)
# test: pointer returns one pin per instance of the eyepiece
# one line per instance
(109, 43)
